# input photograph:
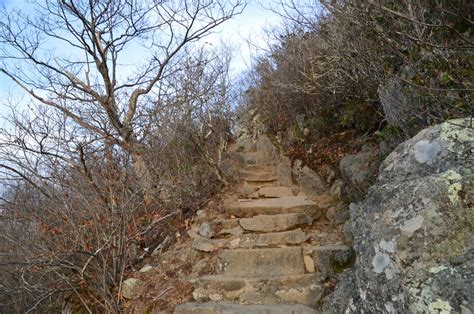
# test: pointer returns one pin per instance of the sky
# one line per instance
(247, 26)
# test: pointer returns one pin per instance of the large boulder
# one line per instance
(413, 233)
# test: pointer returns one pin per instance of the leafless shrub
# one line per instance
(334, 61)
(105, 158)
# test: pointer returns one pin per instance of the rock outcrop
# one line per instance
(413, 233)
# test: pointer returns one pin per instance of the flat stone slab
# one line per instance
(273, 262)
(208, 245)
(275, 223)
(275, 192)
(252, 168)
(259, 176)
(270, 206)
(251, 240)
(304, 289)
(248, 190)
(229, 308)
(260, 158)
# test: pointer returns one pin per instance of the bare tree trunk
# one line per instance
(144, 176)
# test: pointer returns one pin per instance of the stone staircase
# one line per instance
(266, 261)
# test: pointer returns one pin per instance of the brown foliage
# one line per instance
(329, 60)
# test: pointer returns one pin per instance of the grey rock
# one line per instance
(264, 144)
(358, 173)
(335, 189)
(295, 236)
(273, 206)
(229, 308)
(283, 170)
(132, 288)
(208, 245)
(235, 231)
(146, 269)
(275, 223)
(268, 262)
(247, 190)
(275, 192)
(246, 144)
(305, 289)
(231, 163)
(332, 258)
(338, 214)
(260, 158)
(309, 181)
(300, 121)
(412, 234)
(206, 230)
(200, 266)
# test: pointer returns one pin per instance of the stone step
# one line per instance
(291, 237)
(272, 262)
(266, 158)
(275, 223)
(275, 192)
(270, 206)
(251, 240)
(229, 308)
(258, 176)
(253, 190)
(263, 168)
(303, 289)
(249, 188)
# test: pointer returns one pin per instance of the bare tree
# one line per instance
(98, 125)
(73, 56)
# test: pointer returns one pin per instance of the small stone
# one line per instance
(200, 265)
(206, 230)
(309, 264)
(146, 268)
(192, 233)
(247, 190)
(465, 310)
(236, 231)
(335, 189)
(338, 214)
(132, 288)
(208, 245)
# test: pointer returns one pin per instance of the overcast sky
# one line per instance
(247, 26)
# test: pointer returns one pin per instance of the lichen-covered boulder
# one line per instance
(413, 233)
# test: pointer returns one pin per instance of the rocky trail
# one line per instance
(273, 242)
(273, 250)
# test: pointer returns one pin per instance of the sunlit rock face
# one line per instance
(413, 232)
